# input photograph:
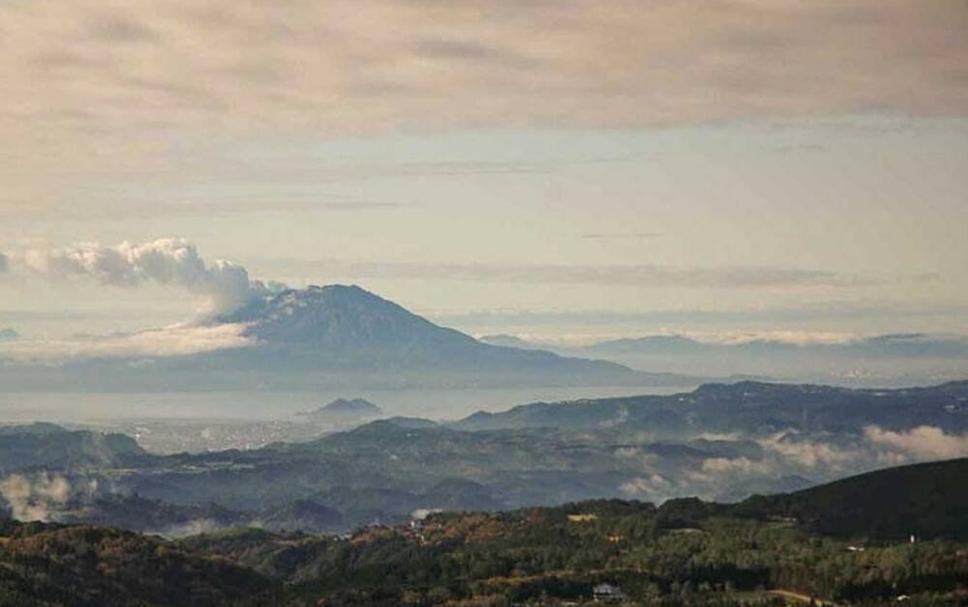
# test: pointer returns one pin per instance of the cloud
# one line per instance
(802, 147)
(739, 465)
(187, 529)
(344, 65)
(169, 341)
(922, 442)
(35, 499)
(171, 261)
(622, 236)
(654, 486)
(646, 275)
(806, 453)
(838, 310)
(236, 206)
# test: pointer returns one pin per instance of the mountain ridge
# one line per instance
(346, 327)
(729, 407)
(923, 500)
(888, 359)
(335, 336)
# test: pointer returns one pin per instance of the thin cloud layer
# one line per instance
(785, 455)
(825, 310)
(653, 275)
(169, 341)
(91, 65)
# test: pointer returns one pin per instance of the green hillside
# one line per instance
(926, 500)
(48, 566)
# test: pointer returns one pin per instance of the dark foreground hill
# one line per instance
(54, 566)
(923, 500)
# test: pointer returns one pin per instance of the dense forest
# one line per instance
(682, 553)
(44, 565)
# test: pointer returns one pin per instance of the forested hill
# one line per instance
(79, 566)
(924, 500)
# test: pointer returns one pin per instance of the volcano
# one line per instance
(346, 328)
(335, 336)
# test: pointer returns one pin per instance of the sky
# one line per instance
(563, 170)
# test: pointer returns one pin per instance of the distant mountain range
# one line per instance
(719, 442)
(892, 359)
(902, 345)
(746, 407)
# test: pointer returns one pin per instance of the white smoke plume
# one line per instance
(421, 513)
(35, 500)
(168, 261)
(193, 527)
(735, 466)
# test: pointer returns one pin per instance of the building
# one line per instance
(582, 518)
(607, 593)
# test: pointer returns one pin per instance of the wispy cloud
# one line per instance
(235, 206)
(87, 66)
(772, 315)
(176, 340)
(35, 499)
(798, 147)
(278, 206)
(806, 452)
(922, 442)
(622, 236)
(647, 275)
(34, 315)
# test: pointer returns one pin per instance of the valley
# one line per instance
(718, 442)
